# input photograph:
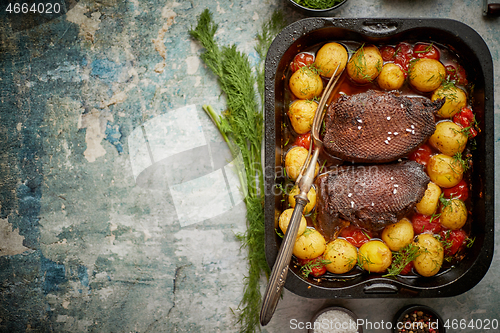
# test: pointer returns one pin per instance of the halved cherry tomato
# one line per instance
(465, 118)
(456, 73)
(317, 267)
(459, 191)
(421, 155)
(303, 140)
(453, 240)
(423, 224)
(403, 55)
(424, 50)
(355, 235)
(387, 52)
(302, 59)
(407, 269)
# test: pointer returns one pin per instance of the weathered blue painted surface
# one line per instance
(89, 244)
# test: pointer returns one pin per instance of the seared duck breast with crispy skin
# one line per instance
(378, 126)
(370, 196)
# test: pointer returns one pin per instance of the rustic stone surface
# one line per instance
(93, 238)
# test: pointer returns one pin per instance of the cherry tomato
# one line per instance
(423, 224)
(387, 52)
(421, 155)
(407, 268)
(302, 59)
(453, 241)
(459, 191)
(303, 140)
(355, 235)
(456, 73)
(423, 50)
(317, 267)
(403, 55)
(465, 118)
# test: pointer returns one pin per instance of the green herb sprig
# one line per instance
(307, 269)
(402, 258)
(318, 4)
(241, 126)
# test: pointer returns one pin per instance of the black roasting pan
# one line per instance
(476, 58)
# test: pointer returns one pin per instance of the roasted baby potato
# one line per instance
(398, 235)
(365, 65)
(429, 203)
(391, 77)
(374, 256)
(284, 221)
(306, 83)
(294, 160)
(453, 214)
(455, 100)
(430, 260)
(309, 245)
(342, 256)
(311, 195)
(448, 138)
(301, 114)
(426, 74)
(329, 57)
(445, 171)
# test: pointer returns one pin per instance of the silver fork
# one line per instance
(304, 182)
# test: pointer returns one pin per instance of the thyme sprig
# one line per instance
(402, 258)
(307, 269)
(241, 126)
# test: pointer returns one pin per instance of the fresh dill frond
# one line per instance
(265, 38)
(241, 126)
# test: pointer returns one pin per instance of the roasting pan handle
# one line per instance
(380, 27)
(380, 288)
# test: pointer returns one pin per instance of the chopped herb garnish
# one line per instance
(318, 4)
(402, 258)
(306, 269)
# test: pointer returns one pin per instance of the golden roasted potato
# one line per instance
(398, 235)
(329, 57)
(453, 214)
(455, 100)
(309, 245)
(429, 203)
(365, 65)
(445, 171)
(426, 74)
(391, 77)
(448, 138)
(374, 256)
(294, 160)
(301, 114)
(342, 256)
(284, 221)
(311, 195)
(306, 83)
(430, 260)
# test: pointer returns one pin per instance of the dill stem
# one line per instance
(211, 113)
(240, 169)
(241, 126)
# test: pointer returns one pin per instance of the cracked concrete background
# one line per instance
(89, 245)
